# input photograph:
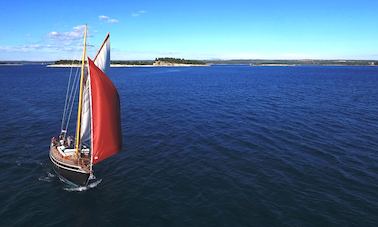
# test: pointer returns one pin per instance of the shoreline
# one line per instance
(188, 65)
(11, 64)
(294, 65)
(282, 65)
(127, 66)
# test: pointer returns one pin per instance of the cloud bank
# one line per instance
(76, 33)
(107, 19)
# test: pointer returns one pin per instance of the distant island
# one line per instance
(122, 63)
(177, 62)
(78, 62)
(167, 61)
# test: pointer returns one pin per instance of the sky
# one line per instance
(207, 29)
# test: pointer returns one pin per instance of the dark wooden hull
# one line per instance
(68, 170)
(72, 176)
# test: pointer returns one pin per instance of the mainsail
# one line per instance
(106, 118)
(102, 61)
(100, 124)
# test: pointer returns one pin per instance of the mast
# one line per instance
(78, 142)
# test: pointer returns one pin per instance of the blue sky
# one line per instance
(270, 29)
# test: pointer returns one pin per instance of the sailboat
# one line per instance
(98, 128)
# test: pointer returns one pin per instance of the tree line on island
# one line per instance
(252, 62)
(139, 62)
(180, 61)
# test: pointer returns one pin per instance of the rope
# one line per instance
(73, 97)
(66, 100)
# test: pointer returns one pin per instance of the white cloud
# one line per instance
(56, 41)
(76, 33)
(113, 21)
(108, 19)
(102, 17)
(138, 13)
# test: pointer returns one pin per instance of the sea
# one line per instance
(229, 145)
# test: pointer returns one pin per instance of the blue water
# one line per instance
(203, 146)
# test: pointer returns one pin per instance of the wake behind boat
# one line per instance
(98, 129)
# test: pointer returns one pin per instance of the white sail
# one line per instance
(102, 59)
(86, 114)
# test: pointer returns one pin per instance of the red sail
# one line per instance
(106, 117)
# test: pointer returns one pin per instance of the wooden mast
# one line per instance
(78, 126)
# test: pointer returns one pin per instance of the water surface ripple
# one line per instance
(203, 146)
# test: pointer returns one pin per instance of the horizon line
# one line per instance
(215, 59)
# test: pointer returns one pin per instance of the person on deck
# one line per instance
(61, 139)
(69, 141)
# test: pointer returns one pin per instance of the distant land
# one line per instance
(177, 62)
(156, 62)
(184, 62)
(25, 62)
(265, 62)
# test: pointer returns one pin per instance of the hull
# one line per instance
(71, 175)
(69, 170)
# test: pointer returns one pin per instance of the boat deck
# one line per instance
(82, 162)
